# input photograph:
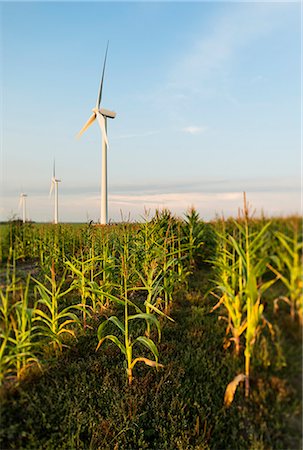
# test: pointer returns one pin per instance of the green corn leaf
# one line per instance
(74, 269)
(64, 293)
(102, 326)
(158, 311)
(115, 340)
(259, 235)
(280, 276)
(149, 344)
(282, 238)
(251, 288)
(240, 227)
(149, 318)
(67, 331)
(117, 322)
(266, 285)
(42, 315)
(238, 249)
(68, 321)
(68, 316)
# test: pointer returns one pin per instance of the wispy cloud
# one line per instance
(289, 184)
(209, 205)
(193, 129)
(214, 185)
(234, 29)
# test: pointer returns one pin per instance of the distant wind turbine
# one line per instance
(54, 185)
(22, 204)
(101, 115)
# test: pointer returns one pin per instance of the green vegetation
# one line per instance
(115, 337)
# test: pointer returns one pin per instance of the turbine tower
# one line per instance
(101, 115)
(22, 204)
(54, 185)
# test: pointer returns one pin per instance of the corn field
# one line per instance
(122, 289)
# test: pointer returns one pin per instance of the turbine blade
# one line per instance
(102, 78)
(20, 202)
(88, 124)
(54, 169)
(101, 121)
(51, 188)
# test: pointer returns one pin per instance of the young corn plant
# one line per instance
(254, 267)
(92, 281)
(229, 283)
(7, 358)
(104, 280)
(193, 230)
(242, 288)
(23, 333)
(81, 270)
(53, 323)
(158, 269)
(289, 270)
(152, 280)
(169, 263)
(126, 343)
(6, 305)
(182, 271)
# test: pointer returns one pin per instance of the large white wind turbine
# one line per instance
(101, 115)
(22, 204)
(54, 185)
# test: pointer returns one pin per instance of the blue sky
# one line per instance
(207, 96)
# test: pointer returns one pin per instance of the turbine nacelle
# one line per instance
(105, 112)
(53, 182)
(22, 199)
(22, 205)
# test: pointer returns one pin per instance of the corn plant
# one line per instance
(5, 307)
(254, 267)
(168, 262)
(240, 282)
(92, 280)
(193, 230)
(82, 271)
(105, 279)
(152, 284)
(289, 269)
(53, 323)
(126, 343)
(17, 332)
(229, 283)
(7, 357)
(22, 336)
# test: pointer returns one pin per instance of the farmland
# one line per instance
(166, 334)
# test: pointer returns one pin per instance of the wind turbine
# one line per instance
(54, 185)
(101, 115)
(22, 204)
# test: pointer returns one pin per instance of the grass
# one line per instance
(82, 399)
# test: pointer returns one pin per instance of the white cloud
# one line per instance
(207, 204)
(193, 129)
